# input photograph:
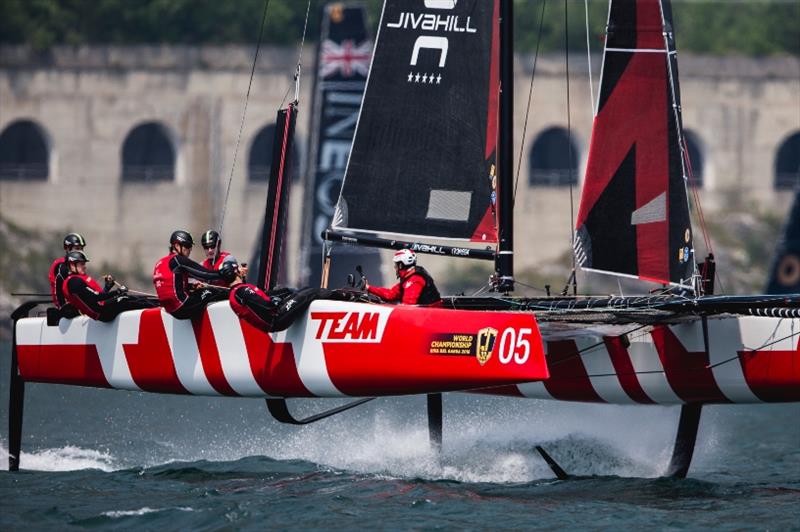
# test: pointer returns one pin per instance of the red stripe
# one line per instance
(273, 364)
(209, 355)
(274, 228)
(687, 372)
(494, 84)
(773, 376)
(623, 367)
(569, 380)
(150, 360)
(78, 365)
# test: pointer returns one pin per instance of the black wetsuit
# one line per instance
(102, 306)
(277, 309)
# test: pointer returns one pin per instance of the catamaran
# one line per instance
(431, 170)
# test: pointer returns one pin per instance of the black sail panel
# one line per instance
(649, 235)
(423, 158)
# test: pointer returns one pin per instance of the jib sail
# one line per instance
(634, 214)
(423, 158)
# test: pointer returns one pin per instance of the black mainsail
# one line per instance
(634, 215)
(423, 162)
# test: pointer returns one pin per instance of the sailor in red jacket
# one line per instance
(416, 286)
(171, 278)
(212, 247)
(84, 294)
(59, 271)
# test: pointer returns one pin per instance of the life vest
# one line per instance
(57, 280)
(238, 297)
(430, 294)
(164, 281)
(75, 300)
(207, 265)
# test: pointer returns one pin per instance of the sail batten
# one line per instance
(634, 216)
(423, 160)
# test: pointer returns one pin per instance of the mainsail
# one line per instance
(634, 214)
(423, 160)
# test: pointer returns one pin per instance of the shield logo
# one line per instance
(485, 344)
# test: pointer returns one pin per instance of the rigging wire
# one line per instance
(244, 114)
(530, 97)
(569, 153)
(299, 61)
(589, 54)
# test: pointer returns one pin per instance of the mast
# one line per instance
(505, 250)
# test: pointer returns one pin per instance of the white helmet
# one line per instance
(405, 257)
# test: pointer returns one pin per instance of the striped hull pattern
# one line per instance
(749, 360)
(336, 349)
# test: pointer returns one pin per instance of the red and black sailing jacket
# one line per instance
(416, 287)
(83, 292)
(59, 271)
(171, 278)
(215, 267)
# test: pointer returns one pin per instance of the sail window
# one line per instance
(553, 159)
(787, 164)
(148, 154)
(449, 205)
(695, 148)
(260, 159)
(24, 152)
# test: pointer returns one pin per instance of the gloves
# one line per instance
(109, 282)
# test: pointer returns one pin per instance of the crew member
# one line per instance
(171, 278)
(59, 271)
(212, 246)
(84, 294)
(416, 286)
(277, 309)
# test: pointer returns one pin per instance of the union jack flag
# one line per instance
(347, 58)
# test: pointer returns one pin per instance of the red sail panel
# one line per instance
(634, 217)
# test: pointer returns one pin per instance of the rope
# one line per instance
(589, 53)
(244, 114)
(530, 97)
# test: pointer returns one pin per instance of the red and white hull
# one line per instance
(337, 349)
(749, 360)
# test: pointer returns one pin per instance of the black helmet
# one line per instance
(210, 239)
(77, 256)
(229, 269)
(181, 237)
(74, 239)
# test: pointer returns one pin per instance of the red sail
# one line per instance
(634, 215)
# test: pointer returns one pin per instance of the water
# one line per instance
(110, 459)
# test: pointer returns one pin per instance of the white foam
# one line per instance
(68, 458)
(115, 514)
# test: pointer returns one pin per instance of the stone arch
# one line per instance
(553, 159)
(148, 154)
(696, 149)
(24, 152)
(259, 160)
(787, 163)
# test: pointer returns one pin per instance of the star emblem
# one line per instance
(425, 78)
(416, 78)
(410, 77)
(439, 79)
